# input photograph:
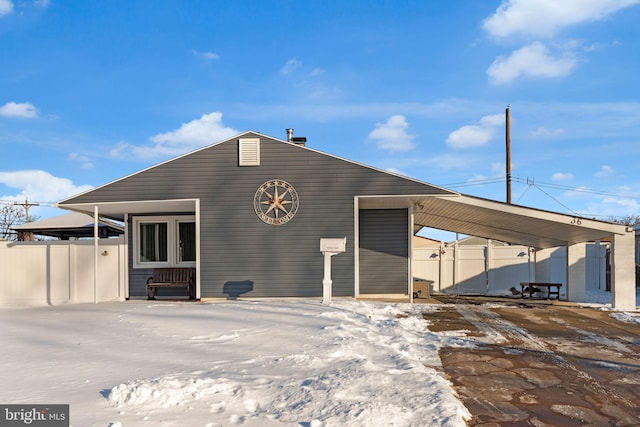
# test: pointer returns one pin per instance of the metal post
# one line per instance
(95, 254)
(327, 282)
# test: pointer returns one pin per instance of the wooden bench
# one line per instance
(532, 287)
(171, 277)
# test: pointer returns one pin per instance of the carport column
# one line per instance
(95, 254)
(576, 272)
(623, 275)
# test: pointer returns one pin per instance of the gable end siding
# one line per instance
(237, 248)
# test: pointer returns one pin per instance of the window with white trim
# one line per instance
(167, 241)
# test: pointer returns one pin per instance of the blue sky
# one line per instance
(93, 91)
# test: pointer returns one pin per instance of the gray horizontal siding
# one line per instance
(236, 247)
(384, 251)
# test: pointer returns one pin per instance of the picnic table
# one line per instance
(530, 288)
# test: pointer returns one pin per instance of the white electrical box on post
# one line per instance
(329, 248)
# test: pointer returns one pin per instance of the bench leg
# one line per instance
(151, 292)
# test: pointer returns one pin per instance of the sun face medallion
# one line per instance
(276, 202)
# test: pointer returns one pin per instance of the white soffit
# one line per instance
(496, 220)
(509, 223)
(117, 210)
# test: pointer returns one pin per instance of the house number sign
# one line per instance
(276, 202)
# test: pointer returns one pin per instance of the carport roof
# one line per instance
(74, 224)
(496, 220)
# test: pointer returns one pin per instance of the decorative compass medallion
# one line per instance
(276, 202)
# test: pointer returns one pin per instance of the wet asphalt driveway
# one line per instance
(541, 365)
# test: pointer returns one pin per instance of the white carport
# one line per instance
(521, 225)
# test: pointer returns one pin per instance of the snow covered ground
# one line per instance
(253, 363)
(292, 362)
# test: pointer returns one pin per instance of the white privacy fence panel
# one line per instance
(597, 267)
(470, 270)
(509, 265)
(60, 272)
(429, 266)
(482, 269)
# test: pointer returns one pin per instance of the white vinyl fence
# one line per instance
(61, 272)
(493, 270)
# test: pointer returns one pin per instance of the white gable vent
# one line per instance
(249, 152)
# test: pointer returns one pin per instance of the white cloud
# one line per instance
(41, 3)
(475, 135)
(197, 133)
(469, 136)
(542, 132)
(493, 120)
(24, 110)
(562, 176)
(290, 66)
(6, 7)
(448, 162)
(85, 162)
(392, 135)
(614, 205)
(119, 149)
(39, 185)
(207, 55)
(533, 60)
(545, 18)
(605, 171)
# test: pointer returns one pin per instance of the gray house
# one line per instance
(248, 214)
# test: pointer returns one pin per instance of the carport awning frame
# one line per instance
(117, 210)
(490, 219)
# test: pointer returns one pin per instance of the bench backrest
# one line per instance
(172, 275)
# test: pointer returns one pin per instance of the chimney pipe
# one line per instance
(289, 134)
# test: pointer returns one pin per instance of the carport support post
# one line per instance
(95, 254)
(576, 272)
(623, 274)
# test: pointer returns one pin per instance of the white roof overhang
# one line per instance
(496, 220)
(117, 210)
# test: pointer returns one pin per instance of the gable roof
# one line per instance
(79, 198)
(432, 206)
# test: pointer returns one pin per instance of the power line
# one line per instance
(473, 182)
(556, 200)
(530, 182)
(533, 182)
(576, 189)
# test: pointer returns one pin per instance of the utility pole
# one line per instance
(26, 206)
(508, 141)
